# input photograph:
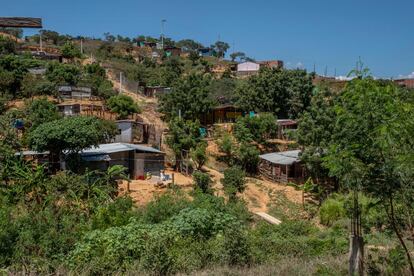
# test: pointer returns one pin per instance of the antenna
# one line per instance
(162, 32)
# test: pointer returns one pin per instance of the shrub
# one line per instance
(164, 207)
(248, 157)
(202, 181)
(226, 145)
(198, 154)
(331, 211)
(70, 51)
(257, 128)
(233, 182)
(237, 248)
(123, 105)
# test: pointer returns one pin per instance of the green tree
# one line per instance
(70, 134)
(285, 93)
(170, 71)
(227, 146)
(189, 45)
(63, 73)
(183, 135)
(70, 51)
(248, 157)
(372, 134)
(257, 128)
(202, 181)
(233, 182)
(190, 96)
(123, 105)
(223, 90)
(41, 111)
(7, 46)
(199, 155)
(220, 48)
(239, 55)
(314, 134)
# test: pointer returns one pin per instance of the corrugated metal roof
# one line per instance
(117, 147)
(30, 152)
(283, 158)
(100, 157)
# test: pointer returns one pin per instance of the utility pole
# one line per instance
(162, 32)
(81, 46)
(40, 41)
(120, 82)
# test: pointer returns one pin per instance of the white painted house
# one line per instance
(247, 68)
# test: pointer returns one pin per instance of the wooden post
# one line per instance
(173, 179)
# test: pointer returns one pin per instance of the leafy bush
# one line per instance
(226, 145)
(202, 181)
(164, 207)
(123, 105)
(257, 128)
(59, 73)
(70, 51)
(201, 223)
(248, 157)
(233, 182)
(331, 210)
(198, 154)
(237, 248)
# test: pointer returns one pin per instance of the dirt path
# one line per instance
(257, 193)
(149, 105)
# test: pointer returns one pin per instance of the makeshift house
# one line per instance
(227, 113)
(153, 91)
(283, 167)
(131, 131)
(66, 91)
(284, 126)
(247, 68)
(172, 51)
(205, 52)
(47, 56)
(74, 108)
(139, 160)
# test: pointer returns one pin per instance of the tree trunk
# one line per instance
(391, 217)
(356, 241)
(356, 255)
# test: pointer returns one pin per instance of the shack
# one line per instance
(154, 91)
(284, 126)
(69, 92)
(226, 113)
(283, 167)
(76, 108)
(172, 51)
(132, 131)
(139, 160)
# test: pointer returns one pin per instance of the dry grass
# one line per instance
(288, 266)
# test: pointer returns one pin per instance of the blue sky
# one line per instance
(330, 34)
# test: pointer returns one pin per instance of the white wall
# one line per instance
(126, 132)
(248, 67)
